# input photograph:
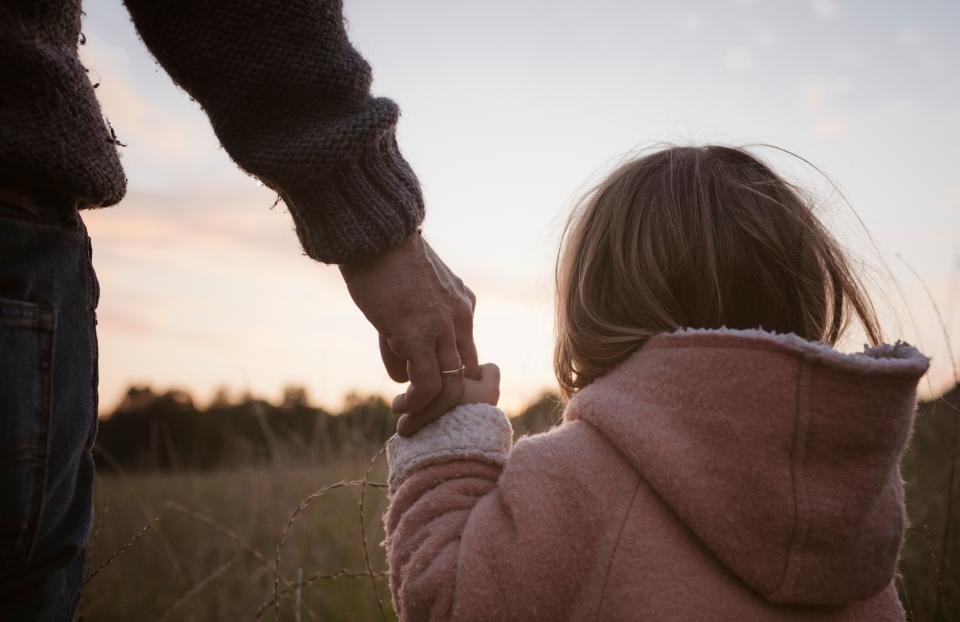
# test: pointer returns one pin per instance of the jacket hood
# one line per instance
(781, 455)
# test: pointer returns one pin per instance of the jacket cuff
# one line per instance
(366, 206)
(468, 432)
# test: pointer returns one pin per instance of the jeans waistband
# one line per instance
(47, 211)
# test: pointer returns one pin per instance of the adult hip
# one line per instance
(48, 407)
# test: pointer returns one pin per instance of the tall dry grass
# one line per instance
(206, 545)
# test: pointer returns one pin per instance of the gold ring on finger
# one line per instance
(453, 372)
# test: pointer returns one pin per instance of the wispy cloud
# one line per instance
(831, 128)
(766, 38)
(827, 8)
(692, 21)
(922, 47)
(818, 92)
(738, 59)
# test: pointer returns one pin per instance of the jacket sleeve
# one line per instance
(289, 99)
(478, 532)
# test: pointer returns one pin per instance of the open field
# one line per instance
(186, 567)
(209, 550)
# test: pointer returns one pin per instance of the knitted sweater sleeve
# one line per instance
(289, 99)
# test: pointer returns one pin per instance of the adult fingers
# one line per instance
(449, 395)
(424, 373)
(396, 366)
(468, 355)
(466, 346)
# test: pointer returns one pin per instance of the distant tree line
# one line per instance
(167, 430)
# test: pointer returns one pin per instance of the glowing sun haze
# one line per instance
(510, 111)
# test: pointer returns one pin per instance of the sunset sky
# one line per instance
(511, 109)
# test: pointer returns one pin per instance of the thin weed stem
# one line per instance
(210, 578)
(343, 573)
(121, 550)
(223, 530)
(363, 529)
(182, 569)
(293, 517)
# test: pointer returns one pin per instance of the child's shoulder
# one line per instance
(574, 454)
(569, 439)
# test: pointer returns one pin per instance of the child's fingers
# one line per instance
(490, 372)
(483, 391)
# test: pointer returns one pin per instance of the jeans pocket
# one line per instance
(26, 406)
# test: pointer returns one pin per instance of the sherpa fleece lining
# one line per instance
(899, 358)
(469, 431)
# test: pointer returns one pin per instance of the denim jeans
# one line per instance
(48, 410)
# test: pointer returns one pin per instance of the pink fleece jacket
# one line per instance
(714, 475)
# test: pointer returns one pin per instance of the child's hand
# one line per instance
(483, 391)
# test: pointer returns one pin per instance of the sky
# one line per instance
(510, 112)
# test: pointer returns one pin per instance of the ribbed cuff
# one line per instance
(361, 209)
(470, 431)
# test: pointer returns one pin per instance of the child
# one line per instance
(718, 459)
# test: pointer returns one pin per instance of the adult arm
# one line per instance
(289, 98)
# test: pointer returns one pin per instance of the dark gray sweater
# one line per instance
(288, 97)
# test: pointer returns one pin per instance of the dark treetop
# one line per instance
(288, 97)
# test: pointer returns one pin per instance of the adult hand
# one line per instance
(424, 314)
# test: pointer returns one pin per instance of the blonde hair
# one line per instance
(698, 237)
